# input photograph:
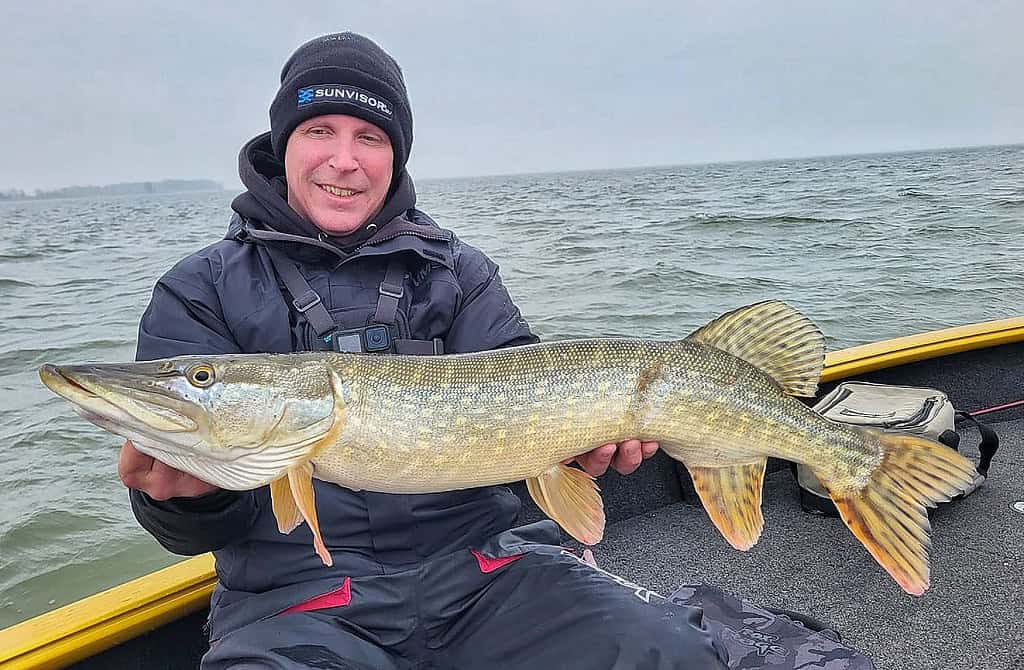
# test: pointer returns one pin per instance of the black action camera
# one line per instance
(369, 339)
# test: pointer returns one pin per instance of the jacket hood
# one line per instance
(266, 198)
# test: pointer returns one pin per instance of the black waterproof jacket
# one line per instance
(227, 298)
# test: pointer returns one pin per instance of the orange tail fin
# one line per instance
(888, 515)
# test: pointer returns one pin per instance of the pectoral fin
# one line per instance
(571, 497)
(300, 480)
(283, 503)
(732, 498)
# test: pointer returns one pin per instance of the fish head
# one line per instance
(237, 421)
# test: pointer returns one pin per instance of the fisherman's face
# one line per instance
(338, 169)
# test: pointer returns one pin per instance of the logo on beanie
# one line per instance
(341, 93)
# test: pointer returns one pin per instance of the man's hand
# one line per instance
(624, 457)
(155, 479)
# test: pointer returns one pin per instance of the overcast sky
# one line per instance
(99, 91)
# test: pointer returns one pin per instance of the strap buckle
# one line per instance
(395, 291)
(306, 301)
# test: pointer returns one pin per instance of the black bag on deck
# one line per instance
(921, 411)
(757, 637)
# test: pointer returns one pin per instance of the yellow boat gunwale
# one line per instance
(95, 623)
(865, 358)
(100, 621)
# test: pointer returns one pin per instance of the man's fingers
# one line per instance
(133, 465)
(160, 488)
(158, 480)
(164, 482)
(624, 458)
(649, 448)
(596, 461)
(628, 457)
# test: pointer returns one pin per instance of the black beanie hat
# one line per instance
(343, 73)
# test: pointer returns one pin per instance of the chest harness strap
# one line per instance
(307, 302)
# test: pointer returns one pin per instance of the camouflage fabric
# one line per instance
(758, 638)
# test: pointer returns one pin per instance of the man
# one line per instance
(326, 251)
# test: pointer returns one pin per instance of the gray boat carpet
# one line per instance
(970, 618)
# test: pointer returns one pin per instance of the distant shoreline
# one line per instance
(123, 188)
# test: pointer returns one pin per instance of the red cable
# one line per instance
(1016, 403)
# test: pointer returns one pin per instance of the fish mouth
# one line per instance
(120, 402)
(125, 401)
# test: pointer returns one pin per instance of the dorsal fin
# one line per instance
(774, 337)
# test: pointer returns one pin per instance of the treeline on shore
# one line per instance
(127, 188)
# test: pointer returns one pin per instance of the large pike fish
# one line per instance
(719, 401)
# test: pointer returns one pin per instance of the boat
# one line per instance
(659, 536)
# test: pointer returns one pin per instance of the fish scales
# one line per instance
(420, 424)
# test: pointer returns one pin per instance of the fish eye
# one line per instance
(200, 375)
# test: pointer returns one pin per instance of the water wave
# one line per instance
(20, 360)
(759, 220)
(6, 282)
(20, 256)
(46, 525)
(1010, 203)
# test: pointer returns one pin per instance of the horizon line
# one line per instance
(770, 159)
(526, 173)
